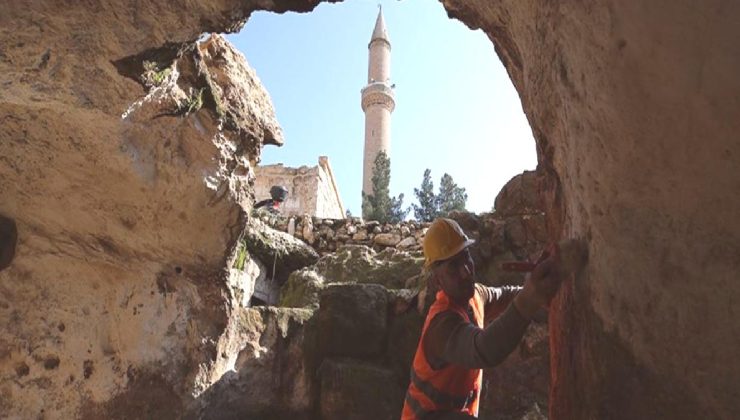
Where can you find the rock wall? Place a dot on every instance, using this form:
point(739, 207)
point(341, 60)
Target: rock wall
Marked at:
point(633, 106)
point(125, 167)
point(328, 235)
point(516, 230)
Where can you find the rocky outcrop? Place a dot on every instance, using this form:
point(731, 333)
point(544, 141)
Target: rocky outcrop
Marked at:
point(125, 168)
point(278, 251)
point(519, 197)
point(391, 268)
point(273, 374)
point(338, 362)
point(356, 374)
point(633, 106)
point(515, 231)
point(353, 320)
point(359, 264)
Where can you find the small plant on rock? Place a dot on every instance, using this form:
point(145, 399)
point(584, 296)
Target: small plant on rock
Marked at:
point(241, 256)
point(153, 76)
point(193, 103)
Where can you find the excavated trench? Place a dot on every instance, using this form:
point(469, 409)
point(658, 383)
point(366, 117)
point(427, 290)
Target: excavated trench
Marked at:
point(119, 233)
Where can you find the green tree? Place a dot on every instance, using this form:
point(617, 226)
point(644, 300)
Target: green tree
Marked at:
point(427, 210)
point(450, 196)
point(380, 205)
point(397, 213)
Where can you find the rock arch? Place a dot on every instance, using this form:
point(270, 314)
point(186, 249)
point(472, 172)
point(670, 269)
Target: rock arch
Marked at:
point(634, 109)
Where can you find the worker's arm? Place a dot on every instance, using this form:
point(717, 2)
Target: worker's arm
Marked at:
point(450, 339)
point(496, 299)
point(263, 203)
point(494, 295)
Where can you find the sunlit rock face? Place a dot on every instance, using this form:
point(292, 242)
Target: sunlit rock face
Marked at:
point(634, 109)
point(125, 171)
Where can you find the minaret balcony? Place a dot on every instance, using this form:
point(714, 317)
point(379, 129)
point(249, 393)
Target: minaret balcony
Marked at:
point(378, 93)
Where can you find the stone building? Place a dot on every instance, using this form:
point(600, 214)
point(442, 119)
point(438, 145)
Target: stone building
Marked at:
point(377, 101)
point(311, 190)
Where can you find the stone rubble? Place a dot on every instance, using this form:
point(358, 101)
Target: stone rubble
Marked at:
point(368, 301)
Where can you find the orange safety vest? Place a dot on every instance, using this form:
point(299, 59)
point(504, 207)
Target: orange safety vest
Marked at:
point(452, 388)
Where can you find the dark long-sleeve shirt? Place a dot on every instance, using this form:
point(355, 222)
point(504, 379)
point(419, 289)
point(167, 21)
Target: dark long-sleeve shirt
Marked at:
point(451, 339)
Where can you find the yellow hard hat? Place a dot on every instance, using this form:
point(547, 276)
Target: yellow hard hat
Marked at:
point(444, 240)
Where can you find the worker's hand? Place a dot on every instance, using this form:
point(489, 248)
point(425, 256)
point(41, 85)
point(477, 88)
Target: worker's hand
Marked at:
point(540, 285)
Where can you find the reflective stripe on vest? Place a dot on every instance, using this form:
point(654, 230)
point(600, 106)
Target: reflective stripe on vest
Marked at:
point(414, 405)
point(438, 397)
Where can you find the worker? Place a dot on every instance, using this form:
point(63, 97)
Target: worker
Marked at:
point(278, 194)
point(446, 375)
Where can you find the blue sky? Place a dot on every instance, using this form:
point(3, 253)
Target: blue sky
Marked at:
point(456, 109)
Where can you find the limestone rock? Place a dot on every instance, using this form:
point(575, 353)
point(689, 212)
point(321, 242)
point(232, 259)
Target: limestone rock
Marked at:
point(302, 289)
point(128, 199)
point(291, 226)
point(360, 236)
point(360, 264)
point(387, 239)
point(526, 234)
point(404, 332)
point(419, 234)
point(342, 238)
point(468, 221)
point(245, 275)
point(308, 233)
point(352, 389)
point(277, 249)
point(406, 243)
point(352, 320)
point(519, 196)
point(273, 374)
point(237, 112)
point(350, 264)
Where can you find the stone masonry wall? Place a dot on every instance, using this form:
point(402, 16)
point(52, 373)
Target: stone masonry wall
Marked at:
point(328, 201)
point(301, 184)
point(311, 190)
point(327, 235)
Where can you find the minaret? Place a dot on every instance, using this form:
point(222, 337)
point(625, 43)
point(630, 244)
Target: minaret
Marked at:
point(377, 101)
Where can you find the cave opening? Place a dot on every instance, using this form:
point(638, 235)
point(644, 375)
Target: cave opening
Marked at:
point(633, 105)
point(456, 110)
point(255, 301)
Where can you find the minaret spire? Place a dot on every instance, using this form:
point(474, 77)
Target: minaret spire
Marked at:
point(380, 33)
point(377, 100)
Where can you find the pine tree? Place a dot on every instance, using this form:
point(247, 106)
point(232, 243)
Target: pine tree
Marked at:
point(397, 214)
point(380, 205)
point(427, 210)
point(450, 196)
